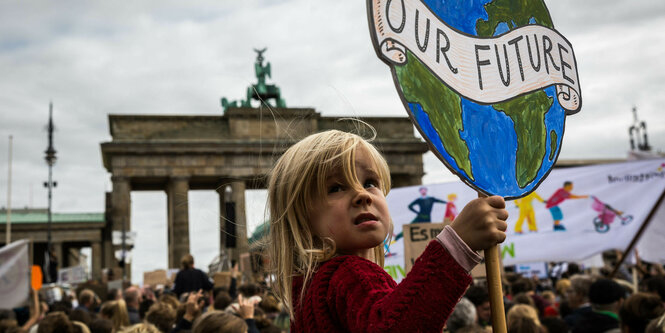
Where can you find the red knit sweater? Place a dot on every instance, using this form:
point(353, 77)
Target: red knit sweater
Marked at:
point(352, 294)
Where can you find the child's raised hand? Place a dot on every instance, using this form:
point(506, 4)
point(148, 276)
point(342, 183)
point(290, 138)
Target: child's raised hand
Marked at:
point(482, 223)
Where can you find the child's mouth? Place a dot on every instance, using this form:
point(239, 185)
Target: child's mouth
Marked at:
point(364, 218)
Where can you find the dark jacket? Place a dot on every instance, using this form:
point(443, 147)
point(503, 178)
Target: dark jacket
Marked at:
point(594, 322)
point(191, 280)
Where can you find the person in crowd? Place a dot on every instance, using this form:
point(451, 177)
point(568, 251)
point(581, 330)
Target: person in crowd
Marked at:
point(132, 296)
point(114, 294)
point(464, 315)
point(606, 297)
point(87, 300)
point(189, 278)
point(554, 325)
point(162, 316)
point(480, 298)
point(171, 300)
point(80, 327)
point(219, 322)
point(55, 322)
point(656, 325)
point(116, 311)
point(144, 307)
point(522, 318)
point(222, 301)
point(142, 328)
point(82, 316)
point(577, 299)
point(638, 310)
point(329, 219)
point(655, 285)
point(101, 325)
point(525, 285)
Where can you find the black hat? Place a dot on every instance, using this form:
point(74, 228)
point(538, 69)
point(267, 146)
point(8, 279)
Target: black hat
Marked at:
point(605, 291)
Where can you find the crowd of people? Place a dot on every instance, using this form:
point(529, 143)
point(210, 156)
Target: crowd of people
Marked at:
point(192, 305)
point(575, 302)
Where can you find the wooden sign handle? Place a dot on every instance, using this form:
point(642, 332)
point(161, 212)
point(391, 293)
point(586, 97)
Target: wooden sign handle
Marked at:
point(493, 270)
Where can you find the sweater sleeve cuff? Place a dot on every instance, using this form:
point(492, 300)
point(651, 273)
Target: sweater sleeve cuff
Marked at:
point(461, 252)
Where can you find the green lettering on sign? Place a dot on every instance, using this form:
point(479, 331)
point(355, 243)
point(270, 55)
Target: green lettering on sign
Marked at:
point(395, 271)
point(508, 248)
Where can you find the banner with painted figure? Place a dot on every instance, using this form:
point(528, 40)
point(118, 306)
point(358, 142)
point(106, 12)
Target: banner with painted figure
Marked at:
point(14, 274)
point(574, 214)
point(486, 83)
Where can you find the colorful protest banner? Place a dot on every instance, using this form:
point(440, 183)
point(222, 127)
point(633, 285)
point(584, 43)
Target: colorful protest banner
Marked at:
point(14, 274)
point(613, 202)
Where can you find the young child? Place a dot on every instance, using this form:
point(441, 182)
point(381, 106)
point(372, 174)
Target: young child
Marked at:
point(328, 223)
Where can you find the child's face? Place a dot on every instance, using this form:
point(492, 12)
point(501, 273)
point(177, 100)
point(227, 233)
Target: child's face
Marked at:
point(356, 221)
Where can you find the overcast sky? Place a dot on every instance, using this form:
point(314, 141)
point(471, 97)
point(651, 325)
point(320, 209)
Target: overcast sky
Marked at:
point(96, 58)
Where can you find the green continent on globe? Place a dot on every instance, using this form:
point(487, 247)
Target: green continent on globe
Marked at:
point(513, 13)
point(553, 141)
point(527, 112)
point(420, 86)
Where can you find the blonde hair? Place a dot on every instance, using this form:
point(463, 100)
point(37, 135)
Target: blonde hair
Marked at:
point(116, 311)
point(141, 328)
point(296, 184)
point(522, 316)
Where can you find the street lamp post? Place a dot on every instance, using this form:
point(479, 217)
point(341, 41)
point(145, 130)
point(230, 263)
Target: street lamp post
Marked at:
point(50, 160)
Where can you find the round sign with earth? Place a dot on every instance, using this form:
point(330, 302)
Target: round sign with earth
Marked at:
point(487, 83)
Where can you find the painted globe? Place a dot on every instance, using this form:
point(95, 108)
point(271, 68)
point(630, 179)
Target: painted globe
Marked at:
point(506, 148)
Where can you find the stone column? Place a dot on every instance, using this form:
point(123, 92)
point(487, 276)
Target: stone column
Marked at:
point(96, 260)
point(120, 214)
point(238, 196)
point(178, 214)
point(221, 192)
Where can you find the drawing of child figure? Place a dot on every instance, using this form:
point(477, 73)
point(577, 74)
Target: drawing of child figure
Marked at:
point(451, 209)
point(424, 203)
point(527, 212)
point(556, 199)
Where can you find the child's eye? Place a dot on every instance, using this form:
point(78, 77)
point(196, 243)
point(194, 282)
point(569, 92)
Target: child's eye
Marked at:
point(371, 183)
point(335, 188)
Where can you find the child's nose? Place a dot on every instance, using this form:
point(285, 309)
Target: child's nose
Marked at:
point(362, 198)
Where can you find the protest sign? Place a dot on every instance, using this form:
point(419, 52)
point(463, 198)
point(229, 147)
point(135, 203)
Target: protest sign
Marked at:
point(222, 279)
point(416, 238)
point(615, 200)
point(155, 277)
point(72, 275)
point(451, 63)
point(14, 274)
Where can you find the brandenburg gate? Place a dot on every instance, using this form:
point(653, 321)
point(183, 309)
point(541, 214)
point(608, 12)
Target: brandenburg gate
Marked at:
point(228, 153)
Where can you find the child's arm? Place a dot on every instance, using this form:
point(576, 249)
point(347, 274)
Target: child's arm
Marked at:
point(365, 299)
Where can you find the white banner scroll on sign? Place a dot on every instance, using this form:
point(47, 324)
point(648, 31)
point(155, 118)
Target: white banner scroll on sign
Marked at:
point(485, 70)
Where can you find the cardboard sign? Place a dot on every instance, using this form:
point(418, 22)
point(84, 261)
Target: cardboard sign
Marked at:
point(72, 275)
point(416, 238)
point(155, 277)
point(222, 279)
point(486, 85)
point(37, 278)
point(245, 263)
